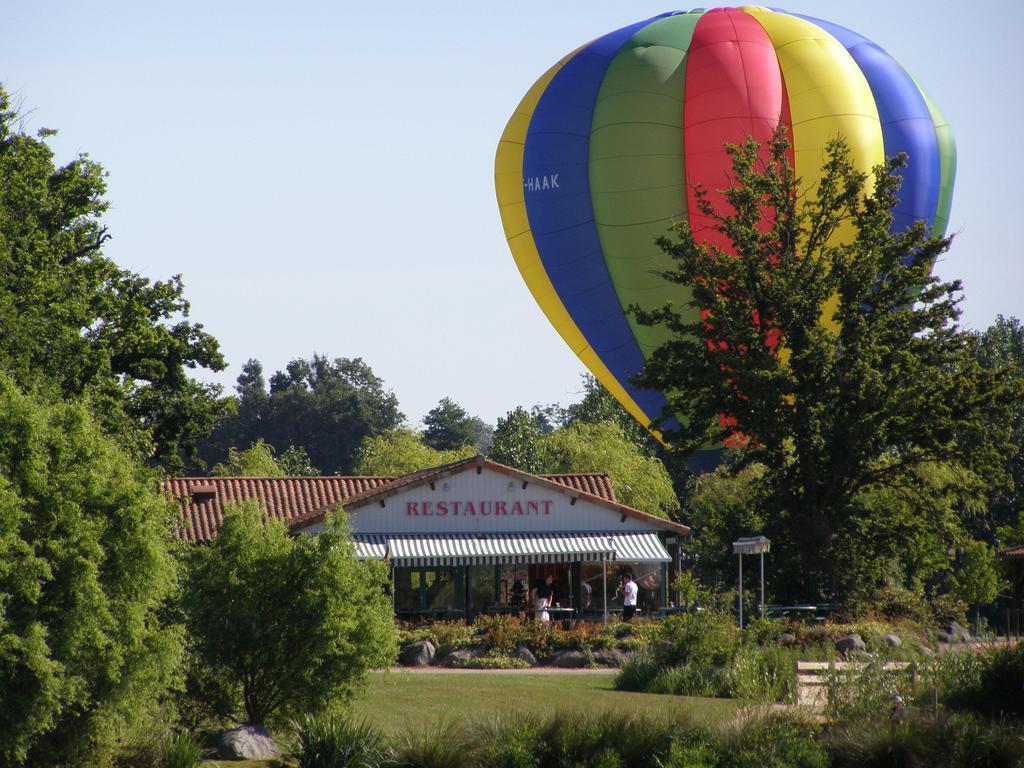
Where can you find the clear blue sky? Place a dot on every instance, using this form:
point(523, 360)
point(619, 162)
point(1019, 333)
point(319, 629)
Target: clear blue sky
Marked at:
point(321, 173)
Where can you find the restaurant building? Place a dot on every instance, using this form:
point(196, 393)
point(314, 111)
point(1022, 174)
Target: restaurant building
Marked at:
point(469, 537)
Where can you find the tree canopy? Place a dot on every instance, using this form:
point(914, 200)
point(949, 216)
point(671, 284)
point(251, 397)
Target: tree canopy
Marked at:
point(448, 427)
point(325, 407)
point(517, 441)
point(1001, 347)
point(78, 323)
point(639, 480)
point(402, 451)
point(84, 575)
point(833, 360)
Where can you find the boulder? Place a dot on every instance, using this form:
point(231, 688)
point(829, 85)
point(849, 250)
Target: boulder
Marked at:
point(611, 657)
point(925, 649)
point(418, 654)
point(892, 640)
point(250, 742)
point(525, 654)
point(568, 659)
point(957, 632)
point(850, 643)
point(462, 654)
point(786, 639)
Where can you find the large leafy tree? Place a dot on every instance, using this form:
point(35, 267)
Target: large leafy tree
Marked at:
point(448, 427)
point(822, 344)
point(599, 406)
point(72, 317)
point(517, 441)
point(85, 574)
point(639, 480)
point(1001, 346)
point(402, 451)
point(326, 407)
point(284, 625)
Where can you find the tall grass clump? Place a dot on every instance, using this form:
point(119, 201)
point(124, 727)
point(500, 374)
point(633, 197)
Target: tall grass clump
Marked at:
point(509, 741)
point(757, 741)
point(771, 740)
point(338, 742)
point(751, 673)
point(443, 745)
point(181, 750)
point(761, 675)
point(868, 691)
point(947, 741)
point(637, 673)
point(988, 682)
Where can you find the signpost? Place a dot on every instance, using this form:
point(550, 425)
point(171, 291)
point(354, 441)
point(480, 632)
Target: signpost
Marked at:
point(751, 545)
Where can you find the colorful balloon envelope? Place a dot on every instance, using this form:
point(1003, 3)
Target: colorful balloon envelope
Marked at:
point(605, 151)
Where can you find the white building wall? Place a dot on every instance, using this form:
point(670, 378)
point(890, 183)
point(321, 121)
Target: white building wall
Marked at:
point(489, 502)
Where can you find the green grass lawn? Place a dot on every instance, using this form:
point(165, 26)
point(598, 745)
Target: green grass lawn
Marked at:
point(397, 700)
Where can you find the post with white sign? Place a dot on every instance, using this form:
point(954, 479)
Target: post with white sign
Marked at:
point(751, 545)
point(604, 580)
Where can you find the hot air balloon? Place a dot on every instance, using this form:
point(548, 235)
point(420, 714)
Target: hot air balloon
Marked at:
point(603, 154)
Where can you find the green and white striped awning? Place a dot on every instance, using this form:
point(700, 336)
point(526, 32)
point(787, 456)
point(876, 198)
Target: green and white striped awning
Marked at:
point(371, 546)
point(469, 549)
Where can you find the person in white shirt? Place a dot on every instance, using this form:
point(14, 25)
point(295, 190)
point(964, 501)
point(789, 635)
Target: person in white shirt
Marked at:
point(629, 591)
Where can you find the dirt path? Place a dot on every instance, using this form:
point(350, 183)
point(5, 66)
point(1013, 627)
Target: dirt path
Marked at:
point(524, 671)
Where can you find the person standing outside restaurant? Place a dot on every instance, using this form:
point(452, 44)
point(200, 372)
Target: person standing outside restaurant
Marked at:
point(544, 597)
point(629, 591)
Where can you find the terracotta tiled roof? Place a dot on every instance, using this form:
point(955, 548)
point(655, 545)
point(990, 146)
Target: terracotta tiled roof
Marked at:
point(595, 484)
point(202, 499)
point(1017, 551)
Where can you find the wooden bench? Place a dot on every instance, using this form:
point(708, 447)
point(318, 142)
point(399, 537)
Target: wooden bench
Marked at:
point(812, 678)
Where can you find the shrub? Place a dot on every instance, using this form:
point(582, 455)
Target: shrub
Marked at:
point(338, 742)
point(708, 637)
point(85, 574)
point(948, 607)
point(447, 636)
point(291, 623)
point(490, 662)
point(896, 602)
point(762, 631)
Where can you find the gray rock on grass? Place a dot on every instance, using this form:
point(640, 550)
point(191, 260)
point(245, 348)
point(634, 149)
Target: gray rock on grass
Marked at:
point(568, 659)
point(418, 654)
point(956, 632)
point(525, 654)
point(250, 742)
point(461, 654)
point(611, 657)
point(852, 643)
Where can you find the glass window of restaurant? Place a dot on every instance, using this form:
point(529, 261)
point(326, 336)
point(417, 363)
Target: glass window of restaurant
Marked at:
point(648, 578)
point(427, 590)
